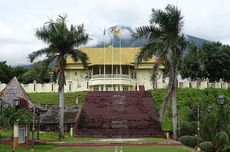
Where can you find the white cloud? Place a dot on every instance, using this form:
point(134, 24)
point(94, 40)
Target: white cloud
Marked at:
point(207, 19)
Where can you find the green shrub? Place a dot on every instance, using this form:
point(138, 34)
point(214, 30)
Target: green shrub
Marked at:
point(226, 149)
point(207, 146)
point(187, 128)
point(221, 140)
point(190, 141)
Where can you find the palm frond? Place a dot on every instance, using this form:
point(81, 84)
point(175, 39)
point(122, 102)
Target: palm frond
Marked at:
point(32, 56)
point(79, 55)
point(146, 32)
point(45, 64)
point(81, 36)
point(147, 52)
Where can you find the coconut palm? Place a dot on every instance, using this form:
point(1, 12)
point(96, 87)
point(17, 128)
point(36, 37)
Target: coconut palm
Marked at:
point(62, 42)
point(165, 40)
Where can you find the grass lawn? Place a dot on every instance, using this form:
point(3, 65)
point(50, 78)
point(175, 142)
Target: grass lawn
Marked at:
point(53, 137)
point(38, 148)
point(52, 148)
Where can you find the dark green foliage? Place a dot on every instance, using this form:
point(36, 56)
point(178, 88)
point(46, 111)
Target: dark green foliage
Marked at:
point(226, 149)
point(5, 72)
point(191, 66)
point(38, 73)
point(10, 115)
point(221, 140)
point(18, 71)
point(188, 128)
point(188, 98)
point(207, 146)
point(209, 125)
point(211, 61)
point(190, 141)
point(216, 60)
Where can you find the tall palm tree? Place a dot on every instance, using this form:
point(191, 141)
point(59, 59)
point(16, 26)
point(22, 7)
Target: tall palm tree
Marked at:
point(62, 41)
point(165, 40)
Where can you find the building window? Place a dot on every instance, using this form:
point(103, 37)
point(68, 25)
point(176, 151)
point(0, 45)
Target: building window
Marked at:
point(75, 73)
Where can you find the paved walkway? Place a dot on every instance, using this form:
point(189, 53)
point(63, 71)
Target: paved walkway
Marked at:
point(171, 143)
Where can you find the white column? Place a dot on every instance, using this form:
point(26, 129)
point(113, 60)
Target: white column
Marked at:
point(16, 130)
point(71, 131)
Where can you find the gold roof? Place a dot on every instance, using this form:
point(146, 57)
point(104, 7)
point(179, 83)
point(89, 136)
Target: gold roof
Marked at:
point(97, 56)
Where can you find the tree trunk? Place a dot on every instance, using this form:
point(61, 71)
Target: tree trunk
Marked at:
point(174, 113)
point(38, 127)
point(61, 113)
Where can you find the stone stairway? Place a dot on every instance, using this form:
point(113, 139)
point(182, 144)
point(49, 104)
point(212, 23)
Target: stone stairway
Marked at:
point(118, 114)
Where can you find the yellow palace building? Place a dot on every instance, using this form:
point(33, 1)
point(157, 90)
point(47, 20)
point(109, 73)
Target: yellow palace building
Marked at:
point(110, 69)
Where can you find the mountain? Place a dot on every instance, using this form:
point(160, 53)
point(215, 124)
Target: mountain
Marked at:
point(128, 41)
point(197, 41)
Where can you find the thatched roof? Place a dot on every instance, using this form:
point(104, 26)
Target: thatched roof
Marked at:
point(71, 113)
point(14, 90)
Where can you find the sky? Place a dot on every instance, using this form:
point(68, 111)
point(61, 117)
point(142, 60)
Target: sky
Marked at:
point(207, 19)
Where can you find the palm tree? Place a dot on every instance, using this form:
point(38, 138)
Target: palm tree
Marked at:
point(165, 40)
point(62, 42)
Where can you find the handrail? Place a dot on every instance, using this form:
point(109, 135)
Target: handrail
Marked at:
point(111, 76)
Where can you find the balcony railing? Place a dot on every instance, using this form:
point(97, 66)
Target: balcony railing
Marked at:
point(111, 76)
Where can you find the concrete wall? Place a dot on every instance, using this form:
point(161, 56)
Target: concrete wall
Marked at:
point(73, 86)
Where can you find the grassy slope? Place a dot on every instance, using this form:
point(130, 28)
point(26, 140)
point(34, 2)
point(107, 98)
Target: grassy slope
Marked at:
point(52, 97)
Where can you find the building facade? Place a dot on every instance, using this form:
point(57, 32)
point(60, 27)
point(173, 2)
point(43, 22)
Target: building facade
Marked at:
point(110, 69)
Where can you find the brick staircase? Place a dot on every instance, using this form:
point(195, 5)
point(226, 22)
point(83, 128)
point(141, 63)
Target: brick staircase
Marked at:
point(118, 114)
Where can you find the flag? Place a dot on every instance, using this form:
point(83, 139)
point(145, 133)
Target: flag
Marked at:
point(117, 31)
point(111, 29)
point(104, 31)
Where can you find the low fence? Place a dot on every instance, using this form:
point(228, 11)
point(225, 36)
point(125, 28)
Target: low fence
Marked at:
point(72, 86)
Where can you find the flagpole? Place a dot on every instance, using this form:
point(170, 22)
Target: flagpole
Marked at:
point(104, 62)
point(120, 60)
point(112, 58)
